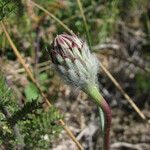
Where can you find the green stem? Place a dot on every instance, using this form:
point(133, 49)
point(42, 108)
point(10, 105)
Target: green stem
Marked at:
point(94, 93)
point(102, 120)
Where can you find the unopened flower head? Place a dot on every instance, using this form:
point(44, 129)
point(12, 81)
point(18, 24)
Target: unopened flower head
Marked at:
point(74, 60)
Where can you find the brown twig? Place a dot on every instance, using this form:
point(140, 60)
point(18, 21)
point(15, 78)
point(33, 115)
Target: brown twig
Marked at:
point(29, 73)
point(84, 21)
point(52, 16)
point(127, 97)
point(135, 63)
point(30, 11)
point(99, 50)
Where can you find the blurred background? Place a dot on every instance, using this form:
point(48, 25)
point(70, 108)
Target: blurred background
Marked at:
point(119, 33)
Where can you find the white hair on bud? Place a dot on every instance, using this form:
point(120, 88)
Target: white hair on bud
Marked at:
point(76, 52)
point(61, 69)
point(80, 66)
point(59, 58)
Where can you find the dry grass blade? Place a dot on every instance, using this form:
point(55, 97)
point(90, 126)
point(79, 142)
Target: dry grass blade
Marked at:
point(52, 16)
point(84, 20)
point(29, 73)
point(136, 64)
point(122, 91)
point(45, 63)
point(109, 74)
point(40, 66)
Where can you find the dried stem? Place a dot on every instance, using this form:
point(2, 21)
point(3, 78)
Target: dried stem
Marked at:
point(122, 91)
point(29, 73)
point(85, 22)
point(136, 64)
point(52, 16)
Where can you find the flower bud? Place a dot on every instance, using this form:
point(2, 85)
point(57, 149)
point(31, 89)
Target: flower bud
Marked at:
point(74, 60)
point(78, 66)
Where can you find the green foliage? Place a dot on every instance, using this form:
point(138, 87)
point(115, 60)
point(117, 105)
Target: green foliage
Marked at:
point(7, 97)
point(143, 82)
point(42, 127)
point(31, 92)
point(10, 6)
point(7, 106)
point(36, 126)
point(102, 120)
point(22, 113)
point(42, 78)
point(109, 15)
